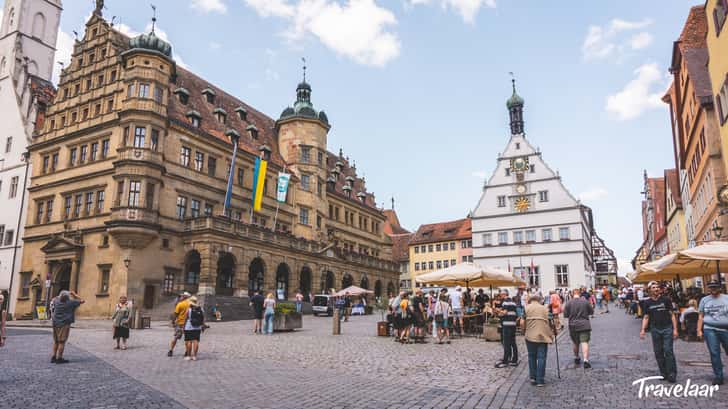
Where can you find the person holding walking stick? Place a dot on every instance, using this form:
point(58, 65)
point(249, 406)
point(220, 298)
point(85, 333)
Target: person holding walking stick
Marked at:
point(538, 337)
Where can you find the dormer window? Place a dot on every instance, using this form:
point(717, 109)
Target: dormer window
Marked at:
point(183, 95)
point(253, 131)
point(362, 196)
point(209, 93)
point(220, 115)
point(194, 118)
point(242, 113)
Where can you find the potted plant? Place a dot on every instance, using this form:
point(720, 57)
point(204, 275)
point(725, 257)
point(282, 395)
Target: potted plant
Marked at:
point(286, 318)
point(382, 306)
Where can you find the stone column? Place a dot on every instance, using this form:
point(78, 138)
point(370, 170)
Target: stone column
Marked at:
point(208, 266)
point(75, 272)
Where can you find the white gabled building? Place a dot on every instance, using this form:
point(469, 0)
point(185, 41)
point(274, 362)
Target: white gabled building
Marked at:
point(28, 33)
point(527, 220)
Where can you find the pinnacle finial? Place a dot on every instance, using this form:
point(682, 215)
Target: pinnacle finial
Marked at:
point(304, 68)
point(154, 17)
point(392, 202)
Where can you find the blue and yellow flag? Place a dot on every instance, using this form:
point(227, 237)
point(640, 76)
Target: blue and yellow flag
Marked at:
point(259, 183)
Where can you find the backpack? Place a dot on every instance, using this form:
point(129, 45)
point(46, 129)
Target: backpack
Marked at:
point(197, 318)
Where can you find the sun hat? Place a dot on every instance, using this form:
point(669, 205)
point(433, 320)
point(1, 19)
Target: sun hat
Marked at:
point(714, 283)
point(193, 300)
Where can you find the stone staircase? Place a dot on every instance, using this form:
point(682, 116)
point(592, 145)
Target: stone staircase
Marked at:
point(232, 308)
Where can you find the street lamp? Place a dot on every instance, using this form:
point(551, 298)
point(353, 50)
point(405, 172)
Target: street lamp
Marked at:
point(127, 261)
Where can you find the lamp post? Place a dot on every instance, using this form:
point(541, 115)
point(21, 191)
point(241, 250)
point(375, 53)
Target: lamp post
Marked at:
point(717, 233)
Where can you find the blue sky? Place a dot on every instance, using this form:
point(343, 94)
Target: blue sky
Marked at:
point(416, 89)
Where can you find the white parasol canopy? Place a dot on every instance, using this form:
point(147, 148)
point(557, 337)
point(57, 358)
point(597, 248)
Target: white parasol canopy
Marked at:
point(469, 274)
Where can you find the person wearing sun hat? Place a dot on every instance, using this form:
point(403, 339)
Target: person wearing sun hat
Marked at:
point(713, 325)
point(194, 323)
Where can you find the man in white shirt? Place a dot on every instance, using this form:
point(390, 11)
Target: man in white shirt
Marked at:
point(456, 300)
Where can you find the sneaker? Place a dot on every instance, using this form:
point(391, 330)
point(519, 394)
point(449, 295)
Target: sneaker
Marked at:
point(672, 378)
point(587, 365)
point(194, 358)
point(533, 381)
point(501, 365)
point(187, 358)
point(718, 381)
point(540, 385)
point(61, 361)
point(577, 361)
point(514, 363)
point(169, 353)
point(53, 359)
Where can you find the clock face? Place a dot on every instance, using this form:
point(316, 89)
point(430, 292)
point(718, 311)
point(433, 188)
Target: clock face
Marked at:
point(521, 189)
point(522, 204)
point(519, 165)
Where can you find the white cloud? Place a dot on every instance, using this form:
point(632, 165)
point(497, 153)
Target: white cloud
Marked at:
point(272, 8)
point(638, 95)
point(130, 32)
point(612, 39)
point(359, 29)
point(593, 194)
point(64, 48)
point(208, 6)
point(640, 40)
point(467, 9)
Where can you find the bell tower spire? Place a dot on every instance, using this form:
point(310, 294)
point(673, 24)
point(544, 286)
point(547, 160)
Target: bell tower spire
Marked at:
point(515, 110)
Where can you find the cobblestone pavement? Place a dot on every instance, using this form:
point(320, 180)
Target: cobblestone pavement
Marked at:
point(618, 357)
point(29, 380)
point(311, 368)
point(307, 368)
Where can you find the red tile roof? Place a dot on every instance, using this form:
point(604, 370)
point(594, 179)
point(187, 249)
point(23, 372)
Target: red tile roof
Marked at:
point(695, 29)
point(445, 231)
point(400, 247)
point(209, 123)
point(392, 225)
point(348, 170)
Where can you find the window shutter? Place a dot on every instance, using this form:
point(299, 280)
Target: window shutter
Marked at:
point(720, 109)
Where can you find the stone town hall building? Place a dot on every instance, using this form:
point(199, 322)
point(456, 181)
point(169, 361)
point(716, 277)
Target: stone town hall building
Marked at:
point(130, 168)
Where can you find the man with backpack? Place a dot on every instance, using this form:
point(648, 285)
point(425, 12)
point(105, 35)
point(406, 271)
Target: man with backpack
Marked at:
point(194, 325)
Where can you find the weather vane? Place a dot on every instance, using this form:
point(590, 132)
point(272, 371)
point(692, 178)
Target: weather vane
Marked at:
point(154, 17)
point(304, 68)
point(513, 80)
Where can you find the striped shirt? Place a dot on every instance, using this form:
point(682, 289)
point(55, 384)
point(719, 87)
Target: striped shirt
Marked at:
point(509, 319)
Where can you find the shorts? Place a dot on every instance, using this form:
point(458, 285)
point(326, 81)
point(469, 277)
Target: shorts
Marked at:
point(578, 337)
point(457, 313)
point(179, 330)
point(193, 335)
point(121, 332)
point(258, 315)
point(60, 334)
point(418, 319)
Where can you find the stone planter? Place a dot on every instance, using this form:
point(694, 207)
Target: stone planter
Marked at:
point(287, 322)
point(490, 332)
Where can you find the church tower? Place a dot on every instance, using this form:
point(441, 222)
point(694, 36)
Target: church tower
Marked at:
point(28, 32)
point(527, 221)
point(302, 138)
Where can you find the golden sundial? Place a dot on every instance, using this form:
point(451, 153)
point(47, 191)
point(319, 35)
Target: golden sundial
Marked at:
point(522, 204)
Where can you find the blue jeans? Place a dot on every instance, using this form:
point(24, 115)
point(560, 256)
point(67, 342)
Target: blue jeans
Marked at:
point(299, 306)
point(537, 360)
point(510, 350)
point(714, 339)
point(664, 354)
point(268, 326)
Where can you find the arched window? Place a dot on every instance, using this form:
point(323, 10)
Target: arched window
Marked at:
point(378, 288)
point(256, 276)
point(364, 283)
point(11, 18)
point(305, 283)
point(282, 274)
point(347, 281)
point(39, 23)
